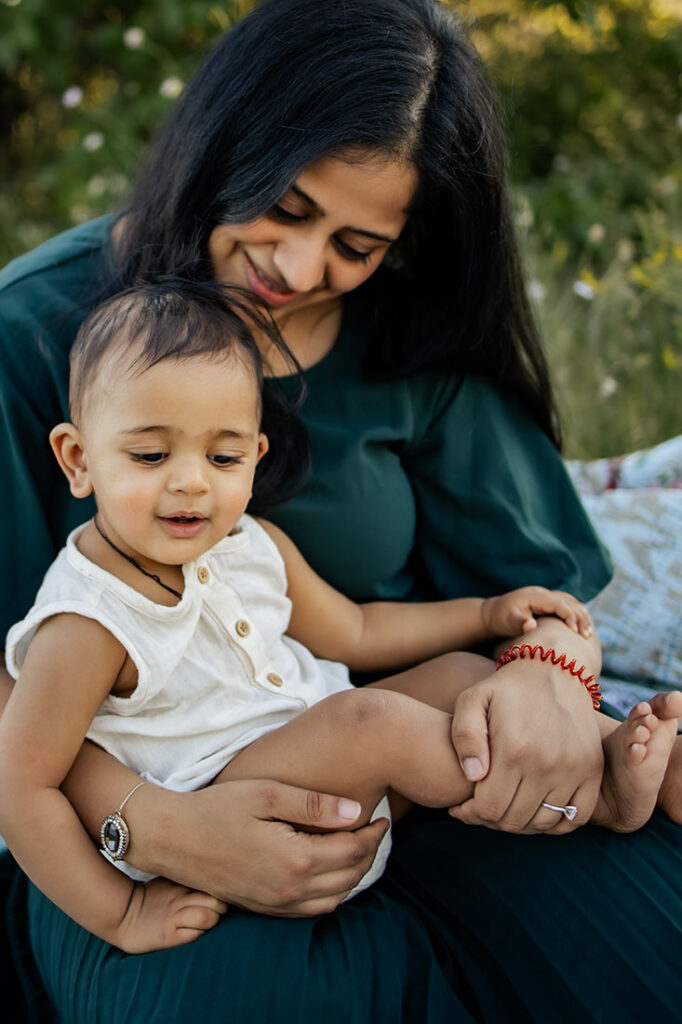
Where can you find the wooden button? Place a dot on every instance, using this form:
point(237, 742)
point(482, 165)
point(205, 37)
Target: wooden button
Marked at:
point(275, 679)
point(242, 627)
point(203, 575)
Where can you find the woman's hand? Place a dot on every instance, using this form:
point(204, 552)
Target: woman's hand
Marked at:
point(529, 734)
point(234, 841)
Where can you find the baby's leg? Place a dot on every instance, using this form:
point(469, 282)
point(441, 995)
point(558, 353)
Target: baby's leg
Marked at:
point(361, 744)
point(438, 682)
point(643, 762)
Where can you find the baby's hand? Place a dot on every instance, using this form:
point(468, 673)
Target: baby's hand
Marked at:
point(162, 914)
point(514, 613)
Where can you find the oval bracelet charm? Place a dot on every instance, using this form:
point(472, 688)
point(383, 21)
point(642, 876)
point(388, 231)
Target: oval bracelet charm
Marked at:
point(114, 836)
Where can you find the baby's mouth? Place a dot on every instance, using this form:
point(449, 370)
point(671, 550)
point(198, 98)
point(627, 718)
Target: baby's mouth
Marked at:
point(183, 524)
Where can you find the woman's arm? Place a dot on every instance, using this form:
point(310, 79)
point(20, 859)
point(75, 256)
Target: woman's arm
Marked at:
point(235, 840)
point(497, 511)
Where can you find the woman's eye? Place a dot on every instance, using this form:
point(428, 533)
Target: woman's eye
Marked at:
point(278, 213)
point(349, 253)
point(225, 460)
point(148, 458)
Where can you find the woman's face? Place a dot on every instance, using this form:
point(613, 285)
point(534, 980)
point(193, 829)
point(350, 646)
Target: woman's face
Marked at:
point(325, 236)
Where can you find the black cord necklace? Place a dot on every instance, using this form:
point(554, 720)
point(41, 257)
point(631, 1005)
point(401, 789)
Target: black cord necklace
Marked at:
point(129, 558)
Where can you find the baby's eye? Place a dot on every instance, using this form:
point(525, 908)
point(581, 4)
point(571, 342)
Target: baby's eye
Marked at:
point(149, 458)
point(225, 460)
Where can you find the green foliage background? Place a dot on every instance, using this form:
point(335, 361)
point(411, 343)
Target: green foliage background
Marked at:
point(592, 95)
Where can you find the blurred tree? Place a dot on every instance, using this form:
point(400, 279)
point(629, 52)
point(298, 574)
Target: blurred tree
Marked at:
point(591, 91)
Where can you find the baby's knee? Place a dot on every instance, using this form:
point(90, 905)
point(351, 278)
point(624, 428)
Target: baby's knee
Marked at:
point(364, 709)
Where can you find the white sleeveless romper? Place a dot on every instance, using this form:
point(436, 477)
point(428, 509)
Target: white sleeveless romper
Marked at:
point(215, 672)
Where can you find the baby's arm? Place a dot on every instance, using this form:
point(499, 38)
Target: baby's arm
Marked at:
point(70, 667)
point(384, 635)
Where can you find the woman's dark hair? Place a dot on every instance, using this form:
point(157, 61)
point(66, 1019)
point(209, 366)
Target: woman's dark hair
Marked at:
point(174, 318)
point(295, 80)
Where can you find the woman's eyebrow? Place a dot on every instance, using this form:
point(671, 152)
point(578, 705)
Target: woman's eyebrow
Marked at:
point(315, 206)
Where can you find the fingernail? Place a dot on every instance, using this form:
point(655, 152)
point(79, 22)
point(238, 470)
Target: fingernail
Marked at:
point(349, 809)
point(472, 768)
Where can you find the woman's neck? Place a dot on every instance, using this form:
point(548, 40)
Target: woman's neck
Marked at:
point(309, 333)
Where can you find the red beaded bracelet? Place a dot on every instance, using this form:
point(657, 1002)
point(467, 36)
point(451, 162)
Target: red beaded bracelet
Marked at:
point(526, 650)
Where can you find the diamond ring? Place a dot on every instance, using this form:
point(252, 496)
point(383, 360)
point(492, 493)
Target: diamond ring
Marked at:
point(568, 812)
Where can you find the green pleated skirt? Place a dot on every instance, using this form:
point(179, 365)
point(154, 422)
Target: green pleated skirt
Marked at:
point(466, 925)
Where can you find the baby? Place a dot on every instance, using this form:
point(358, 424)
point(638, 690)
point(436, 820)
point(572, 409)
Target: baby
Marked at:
point(196, 645)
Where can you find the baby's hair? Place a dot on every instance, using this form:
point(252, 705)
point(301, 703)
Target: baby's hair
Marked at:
point(176, 318)
point(168, 319)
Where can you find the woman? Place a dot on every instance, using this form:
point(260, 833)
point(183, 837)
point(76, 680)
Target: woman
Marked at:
point(344, 162)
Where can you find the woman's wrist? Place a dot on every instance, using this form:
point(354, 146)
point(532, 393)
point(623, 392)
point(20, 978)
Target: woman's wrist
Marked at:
point(153, 816)
point(547, 655)
point(566, 691)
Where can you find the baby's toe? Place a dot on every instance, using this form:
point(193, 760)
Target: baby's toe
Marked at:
point(635, 753)
point(640, 710)
point(667, 705)
point(639, 733)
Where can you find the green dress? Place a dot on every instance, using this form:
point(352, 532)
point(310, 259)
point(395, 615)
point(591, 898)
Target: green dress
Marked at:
point(421, 488)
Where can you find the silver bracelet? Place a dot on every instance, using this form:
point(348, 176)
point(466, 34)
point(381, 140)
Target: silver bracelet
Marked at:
point(114, 833)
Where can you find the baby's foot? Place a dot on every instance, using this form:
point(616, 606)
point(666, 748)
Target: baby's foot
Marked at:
point(636, 758)
point(670, 793)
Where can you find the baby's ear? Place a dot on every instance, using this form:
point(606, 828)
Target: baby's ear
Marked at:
point(263, 446)
point(67, 446)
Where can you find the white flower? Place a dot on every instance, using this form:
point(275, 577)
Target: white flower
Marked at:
point(97, 185)
point(93, 141)
point(584, 290)
point(608, 387)
point(596, 233)
point(170, 88)
point(537, 291)
point(72, 97)
point(625, 250)
point(134, 38)
point(666, 186)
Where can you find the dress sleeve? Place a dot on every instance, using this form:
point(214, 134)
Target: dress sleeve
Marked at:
point(37, 509)
point(495, 507)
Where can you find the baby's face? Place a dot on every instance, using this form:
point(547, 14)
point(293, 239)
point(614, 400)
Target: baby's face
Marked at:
point(171, 454)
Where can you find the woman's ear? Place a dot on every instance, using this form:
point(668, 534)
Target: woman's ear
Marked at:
point(67, 445)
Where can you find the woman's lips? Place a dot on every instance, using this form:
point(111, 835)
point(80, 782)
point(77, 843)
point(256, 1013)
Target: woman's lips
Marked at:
point(265, 287)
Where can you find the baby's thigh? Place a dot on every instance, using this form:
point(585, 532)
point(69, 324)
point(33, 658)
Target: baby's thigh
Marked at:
point(438, 682)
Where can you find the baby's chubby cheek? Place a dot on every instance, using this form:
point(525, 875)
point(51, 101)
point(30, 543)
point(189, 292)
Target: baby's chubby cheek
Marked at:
point(130, 505)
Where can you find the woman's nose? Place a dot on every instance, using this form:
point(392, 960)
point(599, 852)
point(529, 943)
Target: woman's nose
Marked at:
point(301, 262)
